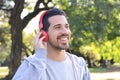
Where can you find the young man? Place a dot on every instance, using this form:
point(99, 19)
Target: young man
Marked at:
point(51, 61)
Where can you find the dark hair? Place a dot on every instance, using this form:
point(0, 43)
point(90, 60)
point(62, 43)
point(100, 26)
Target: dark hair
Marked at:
point(50, 13)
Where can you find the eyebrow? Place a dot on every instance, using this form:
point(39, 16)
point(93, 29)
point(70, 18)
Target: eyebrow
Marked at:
point(56, 25)
point(60, 24)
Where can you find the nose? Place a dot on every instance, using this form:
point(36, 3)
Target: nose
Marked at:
point(65, 31)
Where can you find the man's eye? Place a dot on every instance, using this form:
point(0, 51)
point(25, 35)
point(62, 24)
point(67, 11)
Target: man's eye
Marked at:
point(67, 26)
point(57, 27)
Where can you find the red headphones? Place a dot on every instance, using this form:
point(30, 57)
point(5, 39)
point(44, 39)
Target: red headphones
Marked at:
point(41, 26)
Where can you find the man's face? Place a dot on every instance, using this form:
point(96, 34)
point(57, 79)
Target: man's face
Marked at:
point(58, 32)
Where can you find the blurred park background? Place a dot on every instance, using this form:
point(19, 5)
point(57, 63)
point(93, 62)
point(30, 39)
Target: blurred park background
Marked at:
point(95, 26)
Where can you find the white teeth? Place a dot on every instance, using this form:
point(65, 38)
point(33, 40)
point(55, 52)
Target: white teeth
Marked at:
point(63, 38)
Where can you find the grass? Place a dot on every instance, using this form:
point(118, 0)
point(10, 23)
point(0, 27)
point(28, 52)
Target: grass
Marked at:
point(3, 71)
point(110, 68)
point(99, 70)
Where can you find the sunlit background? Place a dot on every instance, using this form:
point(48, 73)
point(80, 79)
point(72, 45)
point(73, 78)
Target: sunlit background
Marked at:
point(95, 26)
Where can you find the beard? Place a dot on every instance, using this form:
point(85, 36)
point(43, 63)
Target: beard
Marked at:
point(58, 45)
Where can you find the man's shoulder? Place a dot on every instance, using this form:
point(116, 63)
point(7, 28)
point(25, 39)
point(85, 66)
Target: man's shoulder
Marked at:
point(78, 59)
point(34, 60)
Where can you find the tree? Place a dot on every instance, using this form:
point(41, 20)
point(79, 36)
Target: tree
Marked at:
point(94, 21)
point(17, 26)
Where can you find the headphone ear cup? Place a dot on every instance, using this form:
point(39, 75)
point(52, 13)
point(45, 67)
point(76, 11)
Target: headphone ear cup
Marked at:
point(41, 19)
point(44, 34)
point(41, 27)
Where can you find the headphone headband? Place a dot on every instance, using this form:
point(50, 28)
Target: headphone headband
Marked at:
point(41, 19)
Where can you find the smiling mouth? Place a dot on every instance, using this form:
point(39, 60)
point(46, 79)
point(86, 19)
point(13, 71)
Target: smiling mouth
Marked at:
point(63, 39)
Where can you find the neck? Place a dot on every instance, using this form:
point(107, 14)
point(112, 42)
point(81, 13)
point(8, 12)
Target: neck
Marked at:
point(57, 55)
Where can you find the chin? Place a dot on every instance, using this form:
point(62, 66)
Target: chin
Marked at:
point(64, 47)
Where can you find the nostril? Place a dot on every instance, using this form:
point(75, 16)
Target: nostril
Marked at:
point(65, 31)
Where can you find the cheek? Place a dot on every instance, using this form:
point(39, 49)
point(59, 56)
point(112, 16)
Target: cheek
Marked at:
point(52, 36)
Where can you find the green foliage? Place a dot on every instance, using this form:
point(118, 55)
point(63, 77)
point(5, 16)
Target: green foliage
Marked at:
point(106, 50)
point(28, 43)
point(90, 51)
point(95, 22)
point(115, 49)
point(63, 4)
point(5, 42)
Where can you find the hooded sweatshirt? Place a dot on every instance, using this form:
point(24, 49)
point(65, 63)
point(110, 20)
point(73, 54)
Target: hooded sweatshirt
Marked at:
point(39, 67)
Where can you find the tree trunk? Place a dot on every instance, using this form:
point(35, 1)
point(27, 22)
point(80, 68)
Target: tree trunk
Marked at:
point(89, 62)
point(16, 50)
point(16, 37)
